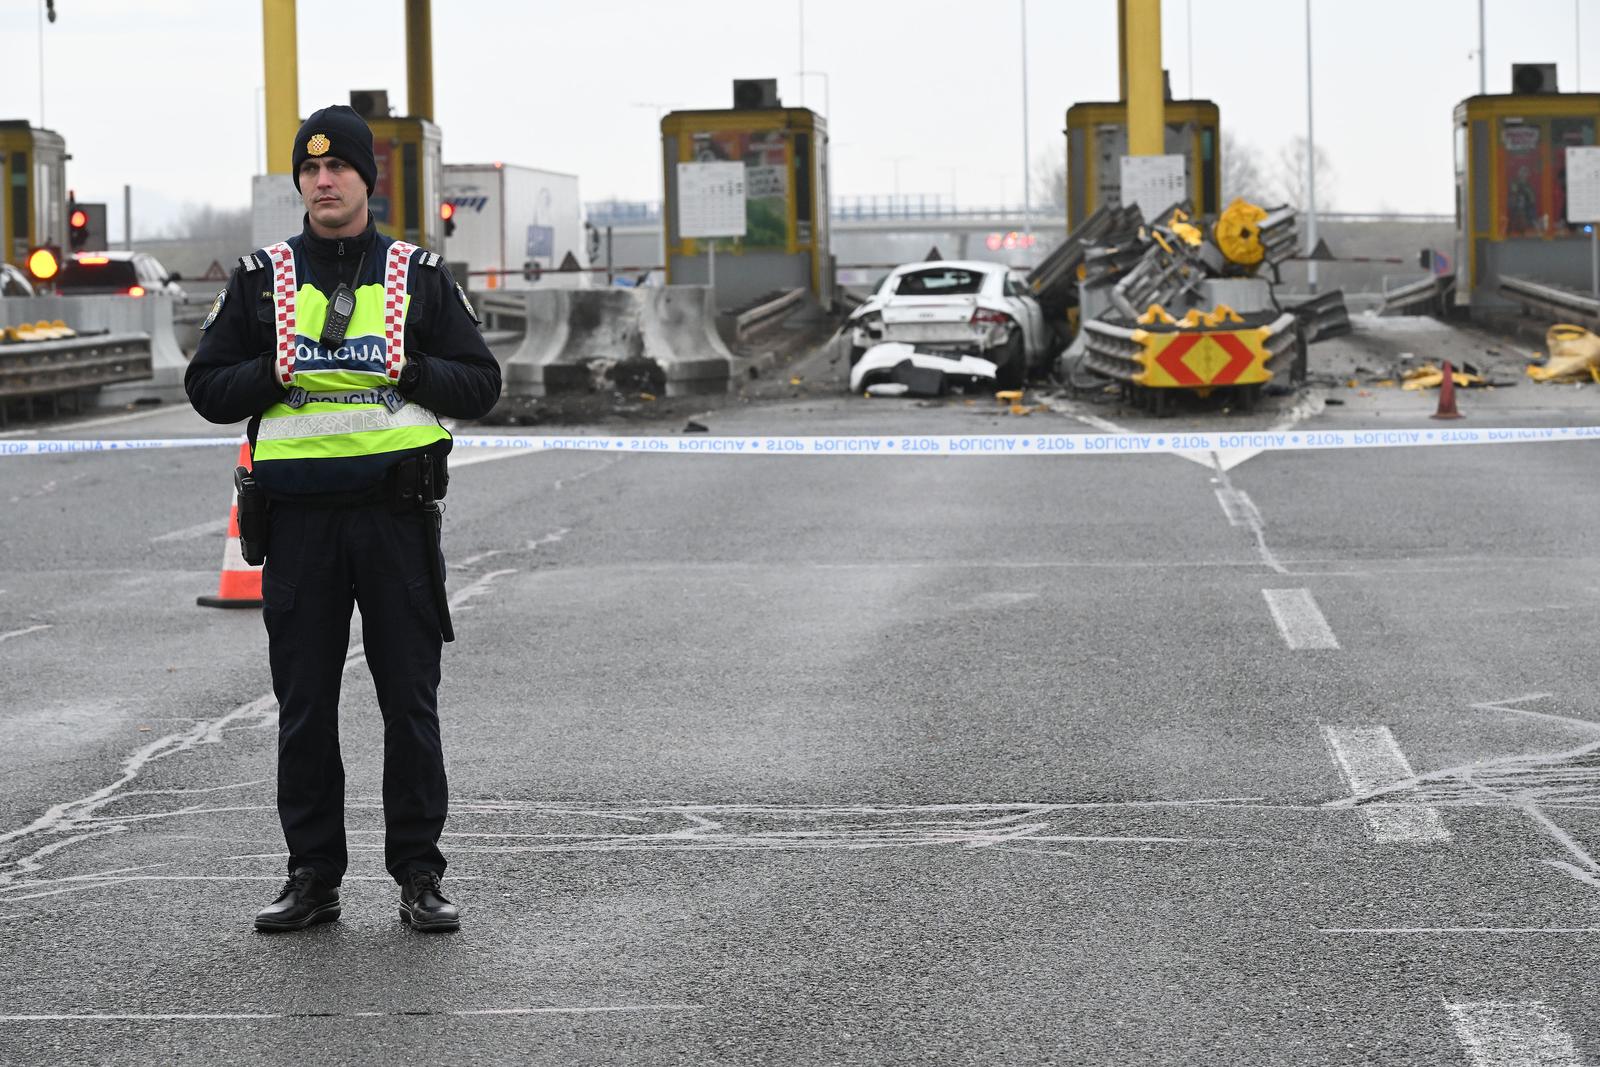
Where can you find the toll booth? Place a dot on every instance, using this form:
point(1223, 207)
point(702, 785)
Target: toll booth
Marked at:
point(1097, 139)
point(786, 243)
point(33, 204)
point(1511, 192)
point(410, 185)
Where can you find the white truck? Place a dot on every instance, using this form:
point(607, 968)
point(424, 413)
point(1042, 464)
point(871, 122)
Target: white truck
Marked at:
point(518, 224)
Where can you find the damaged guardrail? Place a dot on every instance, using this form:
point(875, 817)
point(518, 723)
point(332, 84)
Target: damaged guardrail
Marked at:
point(1323, 316)
point(1202, 353)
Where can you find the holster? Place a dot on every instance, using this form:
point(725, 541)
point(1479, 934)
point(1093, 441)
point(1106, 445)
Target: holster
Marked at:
point(252, 515)
point(419, 483)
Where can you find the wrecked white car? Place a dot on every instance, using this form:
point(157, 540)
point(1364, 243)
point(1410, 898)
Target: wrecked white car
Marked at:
point(954, 308)
point(919, 373)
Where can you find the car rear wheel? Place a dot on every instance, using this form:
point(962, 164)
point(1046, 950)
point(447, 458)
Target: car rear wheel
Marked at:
point(1011, 362)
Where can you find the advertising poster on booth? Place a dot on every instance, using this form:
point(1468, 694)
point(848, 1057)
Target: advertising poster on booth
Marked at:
point(765, 156)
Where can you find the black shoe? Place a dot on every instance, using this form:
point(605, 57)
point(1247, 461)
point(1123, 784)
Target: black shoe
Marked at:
point(423, 906)
point(306, 898)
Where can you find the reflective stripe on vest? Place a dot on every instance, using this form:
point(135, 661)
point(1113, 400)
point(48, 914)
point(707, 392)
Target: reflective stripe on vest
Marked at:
point(338, 410)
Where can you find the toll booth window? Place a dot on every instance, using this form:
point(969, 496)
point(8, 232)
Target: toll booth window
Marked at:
point(1533, 173)
point(802, 186)
point(19, 203)
point(1565, 132)
point(945, 281)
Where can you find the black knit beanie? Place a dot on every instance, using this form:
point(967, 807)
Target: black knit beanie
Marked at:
point(336, 131)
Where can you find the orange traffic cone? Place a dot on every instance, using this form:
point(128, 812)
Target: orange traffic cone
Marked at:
point(240, 586)
point(1447, 395)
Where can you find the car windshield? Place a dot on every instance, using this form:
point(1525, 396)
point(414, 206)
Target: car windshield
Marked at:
point(940, 281)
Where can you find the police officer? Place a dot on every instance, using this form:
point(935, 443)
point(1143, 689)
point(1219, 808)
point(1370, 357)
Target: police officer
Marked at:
point(343, 347)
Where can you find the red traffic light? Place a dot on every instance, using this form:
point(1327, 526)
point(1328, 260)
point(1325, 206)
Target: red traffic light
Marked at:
point(447, 211)
point(80, 219)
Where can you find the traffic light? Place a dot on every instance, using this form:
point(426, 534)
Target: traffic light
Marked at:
point(43, 263)
point(77, 226)
point(447, 212)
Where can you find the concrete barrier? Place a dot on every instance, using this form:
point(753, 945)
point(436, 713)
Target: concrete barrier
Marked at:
point(661, 340)
point(150, 315)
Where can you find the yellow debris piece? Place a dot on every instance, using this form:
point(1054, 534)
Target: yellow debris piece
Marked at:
point(647, 397)
point(1574, 355)
point(1156, 313)
point(1011, 396)
point(1238, 234)
point(1021, 409)
point(1428, 376)
point(1220, 314)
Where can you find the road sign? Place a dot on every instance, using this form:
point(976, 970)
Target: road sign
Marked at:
point(711, 200)
point(1583, 183)
point(1155, 183)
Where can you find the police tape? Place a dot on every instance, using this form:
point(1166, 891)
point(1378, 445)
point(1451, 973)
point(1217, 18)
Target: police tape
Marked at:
point(1034, 444)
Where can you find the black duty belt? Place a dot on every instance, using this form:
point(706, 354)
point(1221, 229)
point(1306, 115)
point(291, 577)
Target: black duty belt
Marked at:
point(386, 395)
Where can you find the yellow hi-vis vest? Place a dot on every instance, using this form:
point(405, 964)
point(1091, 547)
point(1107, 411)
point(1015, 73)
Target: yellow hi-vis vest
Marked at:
point(344, 423)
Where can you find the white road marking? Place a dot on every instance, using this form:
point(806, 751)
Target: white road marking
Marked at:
point(200, 529)
point(1372, 762)
point(1237, 506)
point(1458, 929)
point(165, 1017)
point(19, 633)
point(1299, 619)
point(1507, 1034)
point(1242, 511)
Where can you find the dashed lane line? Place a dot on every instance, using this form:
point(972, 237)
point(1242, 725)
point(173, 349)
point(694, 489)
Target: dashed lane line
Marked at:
point(1372, 762)
point(224, 1017)
point(1512, 1034)
point(1299, 619)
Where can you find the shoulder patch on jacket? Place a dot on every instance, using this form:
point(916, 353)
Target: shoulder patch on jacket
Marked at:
point(216, 308)
point(430, 259)
point(461, 294)
point(249, 263)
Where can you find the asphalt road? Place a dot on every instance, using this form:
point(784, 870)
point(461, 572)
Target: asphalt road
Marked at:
point(853, 760)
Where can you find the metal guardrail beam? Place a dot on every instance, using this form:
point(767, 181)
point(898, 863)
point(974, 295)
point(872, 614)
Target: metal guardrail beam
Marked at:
point(752, 319)
point(31, 369)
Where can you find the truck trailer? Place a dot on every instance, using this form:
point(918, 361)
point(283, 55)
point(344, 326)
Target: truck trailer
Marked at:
point(513, 227)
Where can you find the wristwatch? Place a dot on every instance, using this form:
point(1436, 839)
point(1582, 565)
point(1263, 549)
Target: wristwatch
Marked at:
point(410, 375)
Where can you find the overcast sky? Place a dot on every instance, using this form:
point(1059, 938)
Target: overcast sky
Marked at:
point(926, 95)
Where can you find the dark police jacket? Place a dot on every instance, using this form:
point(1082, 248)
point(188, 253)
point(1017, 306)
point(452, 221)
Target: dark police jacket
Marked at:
point(234, 375)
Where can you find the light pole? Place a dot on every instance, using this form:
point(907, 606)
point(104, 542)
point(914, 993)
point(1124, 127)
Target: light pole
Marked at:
point(1027, 197)
point(1311, 166)
point(1483, 69)
point(827, 93)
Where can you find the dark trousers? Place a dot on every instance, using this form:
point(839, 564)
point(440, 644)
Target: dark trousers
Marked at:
point(320, 562)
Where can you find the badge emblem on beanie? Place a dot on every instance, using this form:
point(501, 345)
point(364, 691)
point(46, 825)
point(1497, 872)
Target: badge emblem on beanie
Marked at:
point(318, 145)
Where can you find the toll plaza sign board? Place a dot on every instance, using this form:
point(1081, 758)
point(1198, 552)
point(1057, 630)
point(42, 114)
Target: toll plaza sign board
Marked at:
point(711, 199)
point(1155, 183)
point(1583, 184)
